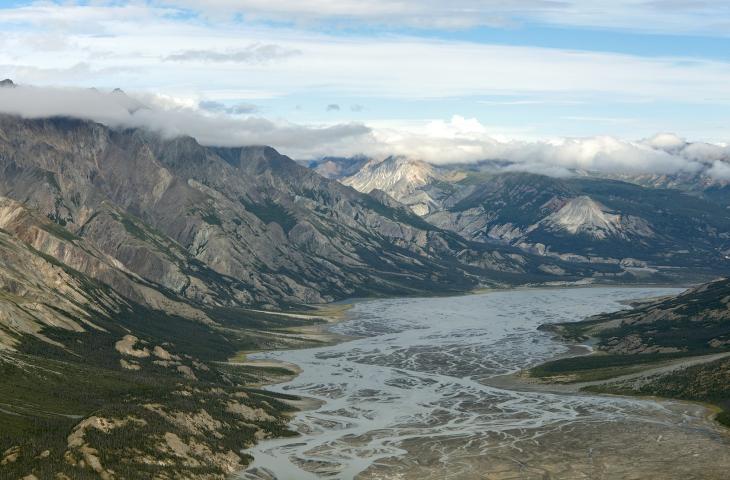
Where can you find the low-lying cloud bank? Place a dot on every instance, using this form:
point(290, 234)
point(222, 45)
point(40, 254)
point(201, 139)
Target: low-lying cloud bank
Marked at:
point(462, 140)
point(173, 117)
point(455, 141)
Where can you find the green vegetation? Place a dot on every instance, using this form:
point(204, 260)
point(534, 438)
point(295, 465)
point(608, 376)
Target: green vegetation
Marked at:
point(47, 391)
point(709, 382)
point(598, 367)
point(57, 230)
point(269, 211)
point(211, 218)
point(42, 402)
point(656, 333)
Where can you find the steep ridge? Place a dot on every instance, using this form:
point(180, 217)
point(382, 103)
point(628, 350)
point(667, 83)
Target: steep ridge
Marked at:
point(37, 292)
point(95, 385)
point(69, 275)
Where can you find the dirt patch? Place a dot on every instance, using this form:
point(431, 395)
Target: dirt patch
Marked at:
point(126, 345)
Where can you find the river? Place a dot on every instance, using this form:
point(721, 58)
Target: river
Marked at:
point(410, 399)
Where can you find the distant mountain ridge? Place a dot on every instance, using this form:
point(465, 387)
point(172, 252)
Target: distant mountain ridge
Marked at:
point(403, 180)
point(585, 217)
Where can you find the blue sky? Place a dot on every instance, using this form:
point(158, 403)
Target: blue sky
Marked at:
point(532, 70)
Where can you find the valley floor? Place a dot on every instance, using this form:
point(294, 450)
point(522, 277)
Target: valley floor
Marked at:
point(423, 393)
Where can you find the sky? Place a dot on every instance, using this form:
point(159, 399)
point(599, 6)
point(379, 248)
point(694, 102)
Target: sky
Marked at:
point(578, 81)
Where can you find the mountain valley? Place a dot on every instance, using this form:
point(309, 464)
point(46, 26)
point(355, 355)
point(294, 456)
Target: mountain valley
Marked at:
point(139, 270)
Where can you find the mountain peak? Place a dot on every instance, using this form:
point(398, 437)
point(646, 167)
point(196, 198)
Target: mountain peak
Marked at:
point(394, 174)
point(7, 83)
point(584, 215)
point(131, 104)
point(399, 177)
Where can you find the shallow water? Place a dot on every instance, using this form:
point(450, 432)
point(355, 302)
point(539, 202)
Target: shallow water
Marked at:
point(408, 399)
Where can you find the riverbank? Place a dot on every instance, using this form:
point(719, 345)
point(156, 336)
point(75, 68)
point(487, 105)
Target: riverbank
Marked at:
point(575, 382)
point(670, 347)
point(571, 383)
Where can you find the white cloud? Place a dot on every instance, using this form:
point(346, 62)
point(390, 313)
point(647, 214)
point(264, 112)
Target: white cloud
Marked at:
point(467, 140)
point(254, 53)
point(666, 141)
point(124, 46)
point(173, 116)
point(719, 171)
point(458, 140)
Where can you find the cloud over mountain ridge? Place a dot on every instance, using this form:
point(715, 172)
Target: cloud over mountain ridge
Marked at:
point(457, 140)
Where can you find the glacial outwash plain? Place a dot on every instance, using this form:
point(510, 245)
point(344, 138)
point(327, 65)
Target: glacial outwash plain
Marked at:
point(439, 387)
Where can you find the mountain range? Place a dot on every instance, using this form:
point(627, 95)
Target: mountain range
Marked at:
point(649, 225)
point(135, 266)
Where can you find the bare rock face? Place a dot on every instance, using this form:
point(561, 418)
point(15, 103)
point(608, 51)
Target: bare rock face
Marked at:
point(38, 291)
point(127, 346)
point(401, 178)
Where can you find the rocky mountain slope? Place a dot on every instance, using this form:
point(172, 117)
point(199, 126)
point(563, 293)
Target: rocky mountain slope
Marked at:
point(400, 178)
point(580, 218)
point(231, 226)
point(104, 374)
point(95, 384)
